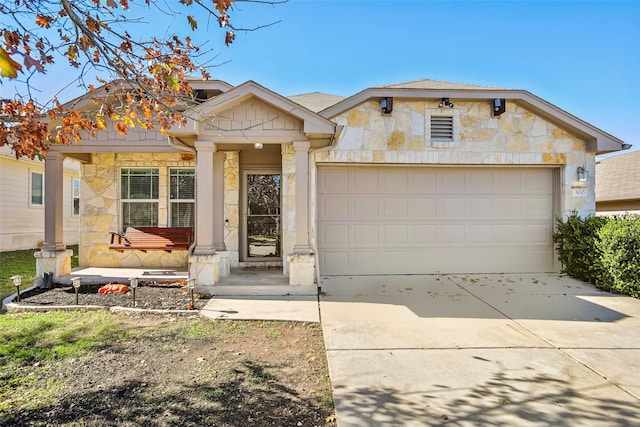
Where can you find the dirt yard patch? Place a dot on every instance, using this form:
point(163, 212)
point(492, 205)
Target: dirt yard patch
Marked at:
point(169, 370)
point(149, 295)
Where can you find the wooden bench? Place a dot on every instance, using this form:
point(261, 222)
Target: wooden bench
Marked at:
point(152, 238)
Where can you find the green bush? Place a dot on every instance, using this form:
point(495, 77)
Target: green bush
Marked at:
point(619, 247)
point(576, 244)
point(600, 250)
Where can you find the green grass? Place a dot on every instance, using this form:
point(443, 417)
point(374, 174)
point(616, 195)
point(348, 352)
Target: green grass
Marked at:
point(36, 337)
point(33, 339)
point(22, 263)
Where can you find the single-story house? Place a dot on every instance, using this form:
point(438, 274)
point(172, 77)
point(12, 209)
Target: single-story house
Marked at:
point(22, 186)
point(618, 184)
point(418, 177)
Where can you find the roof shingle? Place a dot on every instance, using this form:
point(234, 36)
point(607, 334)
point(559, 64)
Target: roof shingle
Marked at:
point(618, 177)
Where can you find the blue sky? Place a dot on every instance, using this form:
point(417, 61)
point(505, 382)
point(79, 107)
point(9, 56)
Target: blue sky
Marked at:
point(583, 56)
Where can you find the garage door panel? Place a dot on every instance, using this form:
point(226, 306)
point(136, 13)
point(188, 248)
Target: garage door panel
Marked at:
point(365, 182)
point(424, 234)
point(422, 206)
point(395, 207)
point(508, 207)
point(451, 207)
point(334, 235)
point(537, 207)
point(451, 182)
point(335, 180)
point(334, 207)
point(395, 234)
point(394, 182)
point(364, 234)
point(480, 207)
point(422, 181)
point(364, 207)
point(436, 219)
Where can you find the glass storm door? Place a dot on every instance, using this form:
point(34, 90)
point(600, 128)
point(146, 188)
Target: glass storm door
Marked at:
point(263, 215)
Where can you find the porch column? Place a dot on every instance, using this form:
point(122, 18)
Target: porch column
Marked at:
point(204, 198)
point(301, 149)
point(218, 201)
point(53, 257)
point(53, 202)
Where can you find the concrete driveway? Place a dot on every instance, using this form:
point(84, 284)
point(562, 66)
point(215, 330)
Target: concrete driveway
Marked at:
point(475, 350)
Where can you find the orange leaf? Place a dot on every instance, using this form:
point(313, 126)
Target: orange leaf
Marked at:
point(44, 21)
point(8, 67)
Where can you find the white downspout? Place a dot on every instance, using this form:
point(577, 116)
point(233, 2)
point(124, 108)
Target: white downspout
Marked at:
point(313, 192)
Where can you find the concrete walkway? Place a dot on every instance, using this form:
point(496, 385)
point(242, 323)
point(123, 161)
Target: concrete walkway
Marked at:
point(477, 350)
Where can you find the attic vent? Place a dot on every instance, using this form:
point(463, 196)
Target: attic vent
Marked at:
point(442, 128)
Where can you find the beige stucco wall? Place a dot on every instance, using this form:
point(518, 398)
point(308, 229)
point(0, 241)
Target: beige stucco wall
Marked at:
point(100, 207)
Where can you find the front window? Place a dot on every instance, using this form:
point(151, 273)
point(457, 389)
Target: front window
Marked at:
point(37, 189)
point(182, 197)
point(76, 197)
point(139, 194)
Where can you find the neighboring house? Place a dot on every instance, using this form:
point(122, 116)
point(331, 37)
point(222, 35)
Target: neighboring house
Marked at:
point(22, 201)
point(618, 184)
point(418, 177)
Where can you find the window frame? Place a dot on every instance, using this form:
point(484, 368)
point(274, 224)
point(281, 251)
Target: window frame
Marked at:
point(173, 201)
point(123, 201)
point(31, 182)
point(75, 197)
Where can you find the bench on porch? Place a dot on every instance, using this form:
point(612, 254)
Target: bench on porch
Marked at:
point(152, 238)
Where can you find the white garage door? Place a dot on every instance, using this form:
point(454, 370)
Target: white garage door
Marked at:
point(419, 220)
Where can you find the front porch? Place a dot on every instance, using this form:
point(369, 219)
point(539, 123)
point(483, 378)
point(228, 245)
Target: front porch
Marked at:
point(202, 176)
point(247, 280)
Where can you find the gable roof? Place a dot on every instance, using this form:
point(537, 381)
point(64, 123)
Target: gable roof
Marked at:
point(618, 177)
point(597, 140)
point(316, 101)
point(433, 84)
point(312, 122)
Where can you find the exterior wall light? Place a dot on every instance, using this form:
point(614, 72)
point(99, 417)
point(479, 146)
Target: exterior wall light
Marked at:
point(133, 282)
point(583, 174)
point(386, 104)
point(445, 103)
point(499, 106)
point(17, 281)
point(258, 145)
point(75, 281)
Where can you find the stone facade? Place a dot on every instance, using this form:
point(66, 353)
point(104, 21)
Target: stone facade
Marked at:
point(232, 206)
point(517, 137)
point(100, 208)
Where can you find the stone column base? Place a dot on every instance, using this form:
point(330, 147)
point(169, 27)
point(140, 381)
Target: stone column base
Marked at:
point(301, 269)
point(225, 264)
point(56, 262)
point(208, 269)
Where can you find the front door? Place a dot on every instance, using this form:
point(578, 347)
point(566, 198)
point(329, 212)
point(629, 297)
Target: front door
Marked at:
point(262, 236)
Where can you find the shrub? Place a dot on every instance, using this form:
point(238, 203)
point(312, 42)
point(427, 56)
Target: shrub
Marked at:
point(576, 245)
point(619, 247)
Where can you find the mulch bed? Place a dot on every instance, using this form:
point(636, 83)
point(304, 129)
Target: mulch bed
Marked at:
point(149, 295)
